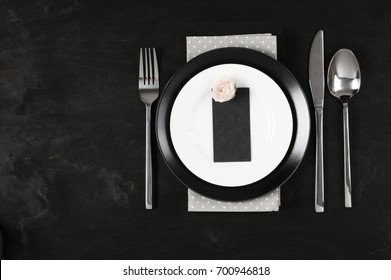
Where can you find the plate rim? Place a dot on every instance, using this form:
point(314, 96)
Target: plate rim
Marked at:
point(296, 99)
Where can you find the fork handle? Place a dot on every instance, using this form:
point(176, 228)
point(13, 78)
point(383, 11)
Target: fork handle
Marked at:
point(148, 159)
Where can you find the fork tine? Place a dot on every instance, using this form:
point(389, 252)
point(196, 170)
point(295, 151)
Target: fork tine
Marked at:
point(141, 69)
point(150, 73)
point(155, 67)
point(146, 69)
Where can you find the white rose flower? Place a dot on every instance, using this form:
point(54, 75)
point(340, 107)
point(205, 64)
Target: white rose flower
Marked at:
point(224, 90)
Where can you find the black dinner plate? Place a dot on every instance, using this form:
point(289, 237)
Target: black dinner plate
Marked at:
point(294, 94)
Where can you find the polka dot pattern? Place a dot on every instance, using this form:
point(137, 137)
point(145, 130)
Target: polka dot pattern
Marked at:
point(266, 203)
point(265, 43)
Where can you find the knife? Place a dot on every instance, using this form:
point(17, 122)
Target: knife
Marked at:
point(317, 85)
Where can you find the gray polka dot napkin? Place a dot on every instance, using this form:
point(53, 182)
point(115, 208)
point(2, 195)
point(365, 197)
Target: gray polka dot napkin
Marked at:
point(265, 43)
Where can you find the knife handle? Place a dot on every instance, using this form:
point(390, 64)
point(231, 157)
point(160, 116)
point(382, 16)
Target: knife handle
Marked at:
point(319, 181)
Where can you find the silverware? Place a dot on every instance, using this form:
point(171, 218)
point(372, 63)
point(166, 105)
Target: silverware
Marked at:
point(317, 85)
point(148, 83)
point(343, 81)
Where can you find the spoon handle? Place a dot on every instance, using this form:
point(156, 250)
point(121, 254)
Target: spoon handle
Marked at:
point(347, 174)
point(319, 182)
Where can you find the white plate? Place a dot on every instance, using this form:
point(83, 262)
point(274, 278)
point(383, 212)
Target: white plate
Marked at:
point(191, 126)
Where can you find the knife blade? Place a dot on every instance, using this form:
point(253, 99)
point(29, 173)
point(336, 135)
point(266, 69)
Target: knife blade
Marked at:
point(317, 86)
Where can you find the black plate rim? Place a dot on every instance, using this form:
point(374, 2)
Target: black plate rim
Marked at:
point(297, 101)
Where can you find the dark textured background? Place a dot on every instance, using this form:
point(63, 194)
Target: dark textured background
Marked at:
point(72, 133)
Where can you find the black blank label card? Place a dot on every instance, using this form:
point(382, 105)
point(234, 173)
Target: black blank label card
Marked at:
point(231, 128)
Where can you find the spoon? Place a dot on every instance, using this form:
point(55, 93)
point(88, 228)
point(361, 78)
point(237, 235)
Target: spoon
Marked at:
point(343, 81)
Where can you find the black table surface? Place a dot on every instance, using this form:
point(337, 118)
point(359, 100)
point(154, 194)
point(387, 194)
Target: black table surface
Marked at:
point(72, 139)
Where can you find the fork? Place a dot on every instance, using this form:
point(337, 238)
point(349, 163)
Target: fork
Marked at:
point(148, 83)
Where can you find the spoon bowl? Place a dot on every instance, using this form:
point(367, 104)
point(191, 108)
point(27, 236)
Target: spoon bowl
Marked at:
point(344, 75)
point(344, 81)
